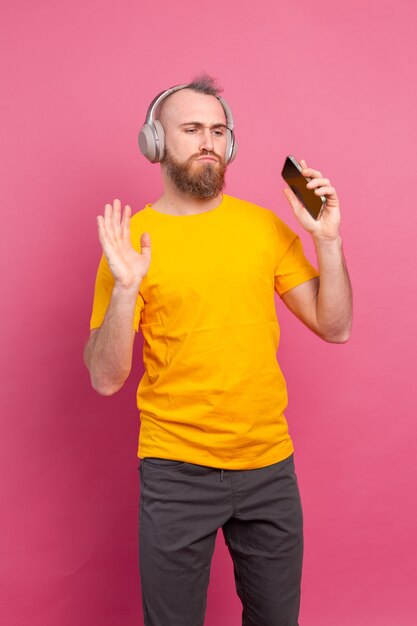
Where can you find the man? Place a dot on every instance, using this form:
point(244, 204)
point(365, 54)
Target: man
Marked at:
point(214, 445)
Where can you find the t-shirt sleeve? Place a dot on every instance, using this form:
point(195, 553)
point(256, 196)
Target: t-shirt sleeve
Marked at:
point(292, 267)
point(102, 295)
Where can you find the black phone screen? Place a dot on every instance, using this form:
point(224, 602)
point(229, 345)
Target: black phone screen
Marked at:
point(298, 183)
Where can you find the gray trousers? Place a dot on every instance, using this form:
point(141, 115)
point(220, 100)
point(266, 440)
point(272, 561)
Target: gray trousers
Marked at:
point(182, 505)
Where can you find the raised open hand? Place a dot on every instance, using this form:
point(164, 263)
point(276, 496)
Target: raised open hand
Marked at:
point(126, 264)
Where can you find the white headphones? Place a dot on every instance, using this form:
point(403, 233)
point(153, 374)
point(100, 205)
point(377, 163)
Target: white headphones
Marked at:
point(152, 136)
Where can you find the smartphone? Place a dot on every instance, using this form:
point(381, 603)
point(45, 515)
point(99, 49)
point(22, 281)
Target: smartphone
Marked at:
point(291, 173)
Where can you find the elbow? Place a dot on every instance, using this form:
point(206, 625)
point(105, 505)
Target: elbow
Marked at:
point(106, 380)
point(338, 339)
point(106, 387)
point(104, 390)
point(336, 335)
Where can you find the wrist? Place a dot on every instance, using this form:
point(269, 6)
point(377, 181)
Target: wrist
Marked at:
point(124, 291)
point(327, 242)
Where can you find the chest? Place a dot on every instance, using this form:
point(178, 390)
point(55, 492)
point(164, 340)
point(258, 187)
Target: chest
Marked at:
point(214, 268)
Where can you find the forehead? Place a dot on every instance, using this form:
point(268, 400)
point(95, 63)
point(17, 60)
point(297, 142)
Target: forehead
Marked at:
point(190, 106)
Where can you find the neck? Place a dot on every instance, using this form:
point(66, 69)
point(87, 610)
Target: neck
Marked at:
point(177, 203)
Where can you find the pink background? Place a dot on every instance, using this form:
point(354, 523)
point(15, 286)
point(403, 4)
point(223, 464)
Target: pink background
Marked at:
point(332, 84)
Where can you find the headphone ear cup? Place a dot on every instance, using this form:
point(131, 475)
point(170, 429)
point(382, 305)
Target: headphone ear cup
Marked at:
point(160, 135)
point(147, 143)
point(234, 153)
point(231, 146)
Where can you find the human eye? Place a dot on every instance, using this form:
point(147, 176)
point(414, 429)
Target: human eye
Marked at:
point(190, 131)
point(219, 132)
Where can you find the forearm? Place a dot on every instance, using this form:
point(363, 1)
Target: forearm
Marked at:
point(334, 298)
point(108, 353)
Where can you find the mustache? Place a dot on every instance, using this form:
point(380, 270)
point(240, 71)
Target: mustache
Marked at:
point(206, 154)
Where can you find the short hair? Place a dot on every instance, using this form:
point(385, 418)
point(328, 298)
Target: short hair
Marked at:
point(201, 83)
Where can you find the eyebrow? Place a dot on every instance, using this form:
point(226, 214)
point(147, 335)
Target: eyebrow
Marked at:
point(200, 125)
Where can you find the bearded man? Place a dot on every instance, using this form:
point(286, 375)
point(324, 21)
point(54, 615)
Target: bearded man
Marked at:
point(214, 446)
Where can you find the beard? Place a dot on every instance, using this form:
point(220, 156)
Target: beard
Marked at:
point(202, 180)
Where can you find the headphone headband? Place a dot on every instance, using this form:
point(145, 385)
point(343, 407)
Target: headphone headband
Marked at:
point(158, 99)
point(152, 135)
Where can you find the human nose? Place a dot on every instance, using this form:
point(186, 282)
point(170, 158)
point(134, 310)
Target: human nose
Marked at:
point(207, 140)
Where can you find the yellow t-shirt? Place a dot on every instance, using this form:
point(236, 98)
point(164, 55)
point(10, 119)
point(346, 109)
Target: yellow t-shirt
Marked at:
point(212, 392)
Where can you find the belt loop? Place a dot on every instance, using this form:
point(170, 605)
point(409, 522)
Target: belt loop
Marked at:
point(221, 475)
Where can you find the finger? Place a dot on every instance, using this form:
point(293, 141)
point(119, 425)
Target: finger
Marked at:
point(299, 209)
point(292, 199)
point(102, 232)
point(116, 217)
point(308, 171)
point(125, 225)
point(325, 191)
point(145, 244)
point(318, 182)
point(303, 163)
point(108, 210)
point(107, 221)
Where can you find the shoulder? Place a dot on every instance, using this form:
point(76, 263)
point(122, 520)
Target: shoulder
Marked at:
point(246, 205)
point(261, 213)
point(139, 220)
point(139, 215)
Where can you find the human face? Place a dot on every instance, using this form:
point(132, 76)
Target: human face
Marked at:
point(195, 135)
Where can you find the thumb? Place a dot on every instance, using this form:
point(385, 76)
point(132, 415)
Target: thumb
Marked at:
point(145, 244)
point(292, 199)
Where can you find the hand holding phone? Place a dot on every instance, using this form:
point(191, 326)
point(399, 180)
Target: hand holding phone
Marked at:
point(291, 173)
